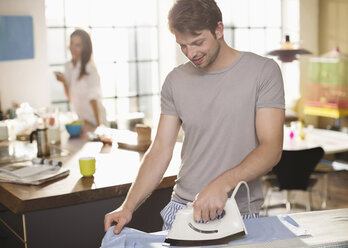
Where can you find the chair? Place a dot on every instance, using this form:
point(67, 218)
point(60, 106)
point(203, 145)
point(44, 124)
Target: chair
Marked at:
point(293, 172)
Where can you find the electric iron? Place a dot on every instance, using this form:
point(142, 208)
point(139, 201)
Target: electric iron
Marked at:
point(185, 231)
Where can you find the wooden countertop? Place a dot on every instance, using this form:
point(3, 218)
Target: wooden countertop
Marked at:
point(116, 169)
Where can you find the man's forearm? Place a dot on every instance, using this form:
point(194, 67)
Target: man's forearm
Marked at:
point(256, 164)
point(149, 176)
point(269, 129)
point(152, 168)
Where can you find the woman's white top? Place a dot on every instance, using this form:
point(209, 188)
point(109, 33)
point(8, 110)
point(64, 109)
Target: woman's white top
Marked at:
point(83, 90)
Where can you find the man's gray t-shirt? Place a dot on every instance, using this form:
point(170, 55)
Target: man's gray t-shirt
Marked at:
point(218, 110)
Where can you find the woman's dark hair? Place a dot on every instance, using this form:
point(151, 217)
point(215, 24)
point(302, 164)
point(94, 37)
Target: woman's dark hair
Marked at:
point(86, 49)
point(194, 15)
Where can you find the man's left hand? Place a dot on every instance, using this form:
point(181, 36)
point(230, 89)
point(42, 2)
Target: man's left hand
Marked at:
point(211, 201)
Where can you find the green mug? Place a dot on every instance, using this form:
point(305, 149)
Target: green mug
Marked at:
point(87, 166)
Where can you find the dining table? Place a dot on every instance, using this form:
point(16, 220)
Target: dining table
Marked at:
point(298, 137)
point(332, 142)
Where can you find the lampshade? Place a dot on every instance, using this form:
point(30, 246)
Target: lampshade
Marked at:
point(287, 53)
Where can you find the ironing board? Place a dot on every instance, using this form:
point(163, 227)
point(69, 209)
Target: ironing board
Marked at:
point(326, 228)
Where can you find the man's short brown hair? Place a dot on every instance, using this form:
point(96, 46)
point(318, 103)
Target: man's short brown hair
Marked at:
point(191, 16)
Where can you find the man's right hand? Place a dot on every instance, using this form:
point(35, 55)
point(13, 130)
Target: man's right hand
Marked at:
point(120, 216)
point(59, 76)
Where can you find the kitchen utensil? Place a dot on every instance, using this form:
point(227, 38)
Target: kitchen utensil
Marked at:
point(43, 146)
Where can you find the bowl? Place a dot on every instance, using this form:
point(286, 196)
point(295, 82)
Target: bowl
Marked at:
point(74, 128)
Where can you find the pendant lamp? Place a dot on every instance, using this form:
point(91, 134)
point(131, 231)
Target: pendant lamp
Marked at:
point(287, 53)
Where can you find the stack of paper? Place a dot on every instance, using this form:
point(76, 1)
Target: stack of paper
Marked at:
point(28, 173)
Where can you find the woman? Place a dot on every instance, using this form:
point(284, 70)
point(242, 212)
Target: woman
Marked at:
point(81, 80)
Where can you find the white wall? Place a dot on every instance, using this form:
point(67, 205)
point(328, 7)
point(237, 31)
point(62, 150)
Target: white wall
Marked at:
point(309, 36)
point(26, 80)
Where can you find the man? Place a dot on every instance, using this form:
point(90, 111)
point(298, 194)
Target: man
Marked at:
point(231, 107)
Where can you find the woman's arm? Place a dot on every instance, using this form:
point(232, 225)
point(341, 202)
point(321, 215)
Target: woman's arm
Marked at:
point(60, 77)
point(94, 105)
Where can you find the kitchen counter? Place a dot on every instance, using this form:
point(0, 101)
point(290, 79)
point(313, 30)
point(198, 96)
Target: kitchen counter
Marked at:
point(116, 169)
point(63, 200)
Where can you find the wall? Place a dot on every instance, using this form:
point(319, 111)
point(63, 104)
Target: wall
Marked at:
point(333, 25)
point(333, 31)
point(26, 80)
point(309, 33)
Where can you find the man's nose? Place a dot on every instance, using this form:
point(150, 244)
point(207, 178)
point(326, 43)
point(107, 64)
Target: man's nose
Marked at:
point(191, 52)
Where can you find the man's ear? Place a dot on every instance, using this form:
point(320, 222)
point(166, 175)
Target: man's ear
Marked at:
point(219, 31)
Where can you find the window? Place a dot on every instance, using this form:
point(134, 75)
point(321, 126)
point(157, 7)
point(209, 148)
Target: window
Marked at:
point(259, 26)
point(125, 50)
point(129, 49)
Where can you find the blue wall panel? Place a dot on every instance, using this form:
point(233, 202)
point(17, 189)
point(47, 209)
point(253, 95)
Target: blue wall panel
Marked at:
point(16, 37)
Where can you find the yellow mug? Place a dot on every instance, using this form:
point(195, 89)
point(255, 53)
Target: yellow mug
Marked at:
point(87, 166)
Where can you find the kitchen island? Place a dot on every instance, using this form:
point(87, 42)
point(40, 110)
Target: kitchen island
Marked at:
point(69, 212)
